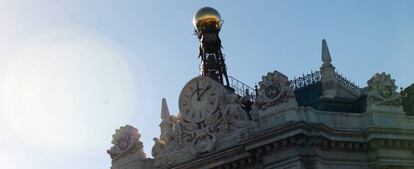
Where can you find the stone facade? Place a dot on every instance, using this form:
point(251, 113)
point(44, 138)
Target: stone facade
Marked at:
point(287, 124)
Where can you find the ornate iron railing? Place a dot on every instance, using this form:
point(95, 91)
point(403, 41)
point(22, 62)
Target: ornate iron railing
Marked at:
point(242, 89)
point(314, 77)
point(297, 83)
point(305, 80)
point(345, 83)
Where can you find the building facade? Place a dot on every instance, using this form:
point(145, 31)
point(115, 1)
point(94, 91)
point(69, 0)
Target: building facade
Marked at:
point(317, 121)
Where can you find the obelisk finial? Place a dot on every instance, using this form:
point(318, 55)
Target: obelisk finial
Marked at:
point(326, 57)
point(165, 113)
point(327, 73)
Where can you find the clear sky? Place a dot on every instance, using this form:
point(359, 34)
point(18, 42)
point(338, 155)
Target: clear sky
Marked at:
point(71, 72)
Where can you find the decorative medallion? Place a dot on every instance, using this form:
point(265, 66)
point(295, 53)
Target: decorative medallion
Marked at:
point(274, 89)
point(126, 141)
point(386, 91)
point(382, 90)
point(382, 95)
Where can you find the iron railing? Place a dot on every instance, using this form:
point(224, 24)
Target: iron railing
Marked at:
point(346, 83)
point(314, 77)
point(305, 80)
point(242, 89)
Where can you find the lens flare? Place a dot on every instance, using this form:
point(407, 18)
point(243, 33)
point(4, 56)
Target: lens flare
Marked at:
point(67, 91)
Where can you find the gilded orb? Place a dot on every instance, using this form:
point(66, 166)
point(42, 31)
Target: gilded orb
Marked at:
point(205, 17)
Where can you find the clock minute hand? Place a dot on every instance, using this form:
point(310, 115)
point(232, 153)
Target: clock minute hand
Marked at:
point(204, 91)
point(198, 92)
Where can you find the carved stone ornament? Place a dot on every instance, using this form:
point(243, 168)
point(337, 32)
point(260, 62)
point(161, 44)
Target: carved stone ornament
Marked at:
point(208, 113)
point(125, 142)
point(273, 90)
point(382, 94)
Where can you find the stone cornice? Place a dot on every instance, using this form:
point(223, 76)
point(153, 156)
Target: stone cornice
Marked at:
point(305, 127)
point(291, 129)
point(320, 130)
point(215, 159)
point(257, 145)
point(339, 120)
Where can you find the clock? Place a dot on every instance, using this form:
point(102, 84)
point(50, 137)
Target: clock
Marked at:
point(199, 98)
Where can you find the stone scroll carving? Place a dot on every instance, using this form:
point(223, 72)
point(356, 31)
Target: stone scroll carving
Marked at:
point(382, 95)
point(274, 89)
point(126, 142)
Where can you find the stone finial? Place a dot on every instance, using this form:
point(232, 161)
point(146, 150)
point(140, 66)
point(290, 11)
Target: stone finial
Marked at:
point(167, 140)
point(327, 73)
point(167, 122)
point(382, 95)
point(165, 113)
point(326, 57)
point(126, 144)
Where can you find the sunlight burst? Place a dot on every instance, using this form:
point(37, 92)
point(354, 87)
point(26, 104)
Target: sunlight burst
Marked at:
point(65, 90)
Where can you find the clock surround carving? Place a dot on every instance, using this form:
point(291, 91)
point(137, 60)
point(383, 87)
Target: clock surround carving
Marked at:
point(198, 134)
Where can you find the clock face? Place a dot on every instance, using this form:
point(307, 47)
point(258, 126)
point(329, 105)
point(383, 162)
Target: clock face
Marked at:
point(199, 98)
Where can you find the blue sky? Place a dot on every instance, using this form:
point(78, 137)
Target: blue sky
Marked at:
point(71, 72)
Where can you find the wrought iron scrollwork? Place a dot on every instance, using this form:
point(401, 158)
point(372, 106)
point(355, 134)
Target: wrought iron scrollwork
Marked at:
point(305, 80)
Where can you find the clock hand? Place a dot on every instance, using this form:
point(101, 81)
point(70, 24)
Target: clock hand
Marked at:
point(198, 92)
point(204, 91)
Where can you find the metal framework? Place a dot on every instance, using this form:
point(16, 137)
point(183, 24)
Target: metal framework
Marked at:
point(211, 58)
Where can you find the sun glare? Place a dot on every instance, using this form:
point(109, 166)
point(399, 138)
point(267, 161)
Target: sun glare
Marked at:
point(62, 89)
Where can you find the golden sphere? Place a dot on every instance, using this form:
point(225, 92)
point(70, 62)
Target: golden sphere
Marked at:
point(207, 16)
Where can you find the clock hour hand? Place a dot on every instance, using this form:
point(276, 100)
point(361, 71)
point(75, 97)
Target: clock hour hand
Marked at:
point(204, 91)
point(198, 92)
